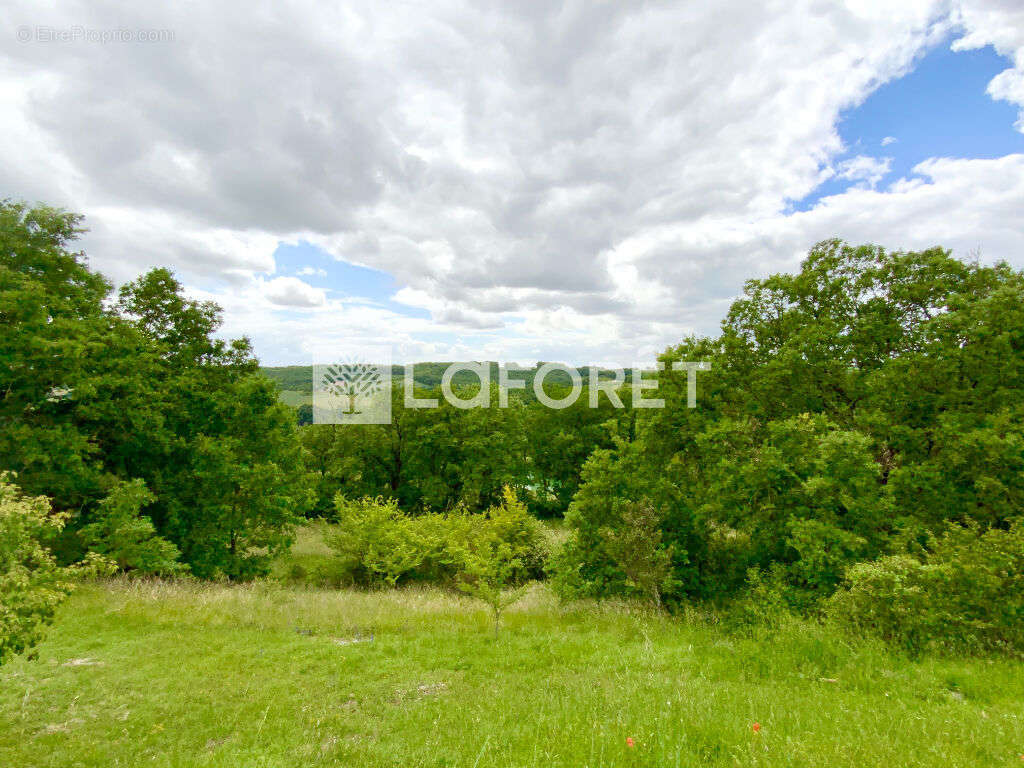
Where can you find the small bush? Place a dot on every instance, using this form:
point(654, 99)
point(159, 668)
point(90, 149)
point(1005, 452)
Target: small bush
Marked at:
point(376, 543)
point(31, 583)
point(966, 592)
point(763, 607)
point(636, 547)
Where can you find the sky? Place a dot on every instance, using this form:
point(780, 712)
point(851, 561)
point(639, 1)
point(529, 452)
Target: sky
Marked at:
point(515, 181)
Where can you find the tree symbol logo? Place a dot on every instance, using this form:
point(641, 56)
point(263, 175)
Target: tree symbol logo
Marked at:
point(353, 387)
point(352, 381)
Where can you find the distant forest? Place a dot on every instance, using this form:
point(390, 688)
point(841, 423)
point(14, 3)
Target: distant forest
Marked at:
point(296, 381)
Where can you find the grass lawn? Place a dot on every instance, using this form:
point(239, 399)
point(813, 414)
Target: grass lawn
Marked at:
point(158, 674)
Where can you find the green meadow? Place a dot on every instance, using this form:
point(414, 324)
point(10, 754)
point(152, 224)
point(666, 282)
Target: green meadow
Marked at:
point(273, 674)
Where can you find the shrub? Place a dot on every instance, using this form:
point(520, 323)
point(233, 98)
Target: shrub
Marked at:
point(376, 543)
point(966, 592)
point(121, 533)
point(591, 561)
point(636, 547)
point(824, 551)
point(31, 583)
point(764, 605)
point(510, 523)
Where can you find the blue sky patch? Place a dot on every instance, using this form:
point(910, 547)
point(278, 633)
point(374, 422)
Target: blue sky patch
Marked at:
point(341, 279)
point(939, 109)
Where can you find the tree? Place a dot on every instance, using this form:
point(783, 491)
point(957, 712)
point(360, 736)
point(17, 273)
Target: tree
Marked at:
point(558, 442)
point(494, 558)
point(60, 355)
point(487, 570)
point(93, 395)
point(851, 407)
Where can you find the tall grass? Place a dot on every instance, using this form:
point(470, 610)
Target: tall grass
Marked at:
point(194, 674)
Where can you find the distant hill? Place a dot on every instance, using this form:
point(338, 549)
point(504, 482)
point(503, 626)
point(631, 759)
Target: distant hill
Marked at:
point(296, 381)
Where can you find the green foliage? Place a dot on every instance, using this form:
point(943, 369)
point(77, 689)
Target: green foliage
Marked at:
point(823, 551)
point(61, 357)
point(635, 546)
point(851, 410)
point(120, 532)
point(763, 608)
point(966, 592)
point(375, 542)
point(445, 457)
point(558, 443)
point(32, 585)
point(807, 495)
point(593, 561)
point(98, 394)
point(493, 557)
point(427, 459)
point(487, 571)
point(304, 414)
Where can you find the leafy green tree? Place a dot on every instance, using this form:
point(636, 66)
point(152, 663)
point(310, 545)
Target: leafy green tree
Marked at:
point(591, 561)
point(494, 559)
point(427, 459)
point(332, 454)
point(487, 572)
point(60, 355)
point(801, 469)
point(558, 443)
point(850, 408)
point(95, 394)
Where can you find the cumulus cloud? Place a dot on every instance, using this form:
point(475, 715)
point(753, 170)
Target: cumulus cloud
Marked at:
point(549, 181)
point(292, 292)
point(862, 168)
point(999, 23)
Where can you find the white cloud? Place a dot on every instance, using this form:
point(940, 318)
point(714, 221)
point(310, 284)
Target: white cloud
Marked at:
point(866, 169)
point(561, 182)
point(889, 140)
point(292, 292)
point(999, 23)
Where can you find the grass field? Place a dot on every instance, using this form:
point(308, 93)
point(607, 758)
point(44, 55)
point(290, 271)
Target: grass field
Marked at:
point(265, 675)
point(295, 398)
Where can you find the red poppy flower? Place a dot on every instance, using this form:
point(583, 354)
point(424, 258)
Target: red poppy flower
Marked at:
point(629, 741)
point(756, 727)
